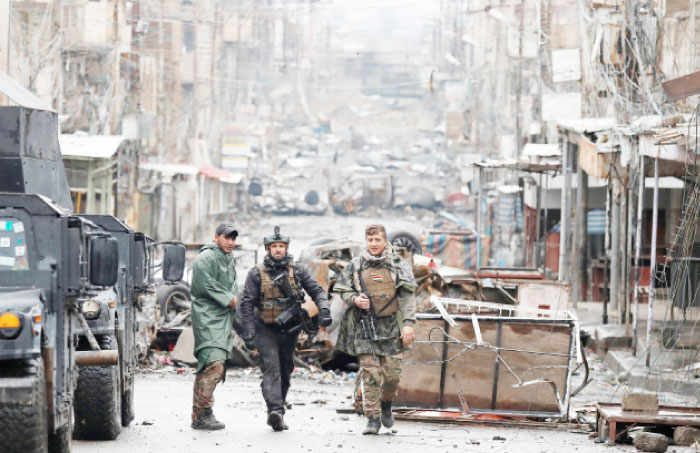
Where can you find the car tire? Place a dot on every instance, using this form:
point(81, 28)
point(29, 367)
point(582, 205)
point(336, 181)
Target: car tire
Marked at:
point(25, 427)
point(60, 440)
point(98, 398)
point(165, 296)
point(128, 413)
point(407, 240)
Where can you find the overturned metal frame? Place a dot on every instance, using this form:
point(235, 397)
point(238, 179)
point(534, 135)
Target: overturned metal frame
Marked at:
point(495, 365)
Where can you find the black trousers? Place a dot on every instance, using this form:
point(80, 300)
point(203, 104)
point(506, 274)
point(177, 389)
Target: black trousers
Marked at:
point(276, 349)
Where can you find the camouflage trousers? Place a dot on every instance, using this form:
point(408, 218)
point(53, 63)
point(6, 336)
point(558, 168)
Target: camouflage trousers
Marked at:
point(204, 385)
point(380, 380)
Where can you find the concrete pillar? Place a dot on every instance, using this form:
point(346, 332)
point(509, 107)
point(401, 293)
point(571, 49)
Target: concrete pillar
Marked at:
point(580, 263)
point(615, 245)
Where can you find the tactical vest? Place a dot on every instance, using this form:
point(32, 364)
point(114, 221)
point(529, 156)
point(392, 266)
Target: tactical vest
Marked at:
point(271, 304)
point(381, 288)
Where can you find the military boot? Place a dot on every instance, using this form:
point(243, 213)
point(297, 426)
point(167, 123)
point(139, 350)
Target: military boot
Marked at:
point(276, 420)
point(387, 414)
point(373, 425)
point(207, 421)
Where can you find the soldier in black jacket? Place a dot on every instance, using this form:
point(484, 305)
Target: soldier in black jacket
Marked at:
point(261, 305)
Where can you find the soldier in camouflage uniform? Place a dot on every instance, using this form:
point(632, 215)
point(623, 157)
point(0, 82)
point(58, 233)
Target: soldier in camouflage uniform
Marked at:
point(389, 281)
point(214, 289)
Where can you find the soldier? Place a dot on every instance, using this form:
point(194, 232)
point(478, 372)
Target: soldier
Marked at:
point(382, 282)
point(261, 305)
point(214, 289)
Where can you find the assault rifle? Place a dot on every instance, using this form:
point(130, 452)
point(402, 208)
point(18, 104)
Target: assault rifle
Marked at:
point(367, 316)
point(294, 318)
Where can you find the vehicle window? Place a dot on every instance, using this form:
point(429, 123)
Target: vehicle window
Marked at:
point(13, 245)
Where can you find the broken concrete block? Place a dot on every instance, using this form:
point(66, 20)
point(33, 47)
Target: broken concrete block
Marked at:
point(647, 402)
point(685, 435)
point(651, 442)
point(184, 348)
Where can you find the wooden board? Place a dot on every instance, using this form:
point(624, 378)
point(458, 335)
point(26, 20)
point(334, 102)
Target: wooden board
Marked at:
point(475, 378)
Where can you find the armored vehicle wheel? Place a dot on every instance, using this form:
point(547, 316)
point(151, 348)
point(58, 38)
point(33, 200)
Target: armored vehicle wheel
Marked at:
point(128, 413)
point(24, 427)
point(59, 441)
point(97, 407)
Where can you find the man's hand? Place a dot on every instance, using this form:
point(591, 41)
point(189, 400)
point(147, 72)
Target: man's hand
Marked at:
point(250, 343)
point(324, 317)
point(407, 335)
point(233, 303)
point(362, 302)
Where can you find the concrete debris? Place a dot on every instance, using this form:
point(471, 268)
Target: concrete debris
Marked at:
point(686, 435)
point(648, 402)
point(653, 442)
point(147, 319)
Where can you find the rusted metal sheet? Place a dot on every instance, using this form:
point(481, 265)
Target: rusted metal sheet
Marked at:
point(682, 87)
point(459, 418)
point(594, 162)
point(611, 418)
point(491, 364)
point(511, 273)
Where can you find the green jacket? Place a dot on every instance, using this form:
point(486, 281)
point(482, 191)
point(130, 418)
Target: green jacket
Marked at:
point(388, 328)
point(213, 287)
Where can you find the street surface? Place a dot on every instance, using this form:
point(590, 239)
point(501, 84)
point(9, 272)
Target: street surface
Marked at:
point(163, 405)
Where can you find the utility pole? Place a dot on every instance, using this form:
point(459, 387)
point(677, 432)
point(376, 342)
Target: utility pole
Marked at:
point(652, 265)
point(519, 85)
point(565, 217)
point(580, 237)
point(638, 250)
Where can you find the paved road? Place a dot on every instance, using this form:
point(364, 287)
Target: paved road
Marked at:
point(163, 403)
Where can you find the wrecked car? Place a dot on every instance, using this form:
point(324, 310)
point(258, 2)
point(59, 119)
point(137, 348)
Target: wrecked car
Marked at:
point(360, 192)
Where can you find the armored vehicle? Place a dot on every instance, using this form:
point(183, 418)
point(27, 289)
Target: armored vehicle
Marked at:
point(49, 260)
point(104, 398)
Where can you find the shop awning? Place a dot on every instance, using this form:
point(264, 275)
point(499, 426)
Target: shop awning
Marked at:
point(89, 146)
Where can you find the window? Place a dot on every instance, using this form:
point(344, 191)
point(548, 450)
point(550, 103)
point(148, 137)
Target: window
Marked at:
point(13, 245)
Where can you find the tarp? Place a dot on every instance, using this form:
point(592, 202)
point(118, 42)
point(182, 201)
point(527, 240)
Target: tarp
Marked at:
point(509, 211)
point(455, 250)
point(596, 222)
point(221, 174)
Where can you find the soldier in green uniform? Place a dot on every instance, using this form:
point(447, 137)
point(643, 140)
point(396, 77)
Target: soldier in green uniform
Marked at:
point(382, 282)
point(214, 289)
